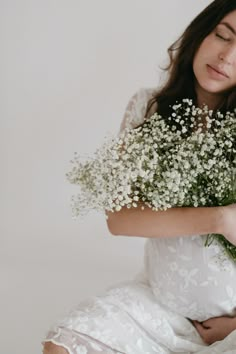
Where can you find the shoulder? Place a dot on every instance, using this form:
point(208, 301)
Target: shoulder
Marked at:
point(136, 107)
point(141, 97)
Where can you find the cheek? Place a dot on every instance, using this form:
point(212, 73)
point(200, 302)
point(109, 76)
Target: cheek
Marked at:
point(197, 62)
point(204, 51)
point(202, 56)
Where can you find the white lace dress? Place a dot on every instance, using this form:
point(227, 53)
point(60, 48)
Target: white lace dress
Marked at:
point(181, 280)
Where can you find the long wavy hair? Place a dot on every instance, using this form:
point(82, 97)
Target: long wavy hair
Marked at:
point(180, 82)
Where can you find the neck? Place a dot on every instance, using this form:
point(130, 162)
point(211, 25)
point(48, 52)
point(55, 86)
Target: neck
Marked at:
point(212, 100)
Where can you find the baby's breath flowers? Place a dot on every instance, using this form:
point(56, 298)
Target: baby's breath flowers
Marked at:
point(187, 159)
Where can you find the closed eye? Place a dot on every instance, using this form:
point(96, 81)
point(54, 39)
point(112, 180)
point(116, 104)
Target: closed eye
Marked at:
point(223, 38)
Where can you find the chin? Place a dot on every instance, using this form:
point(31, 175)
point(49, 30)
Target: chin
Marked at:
point(212, 88)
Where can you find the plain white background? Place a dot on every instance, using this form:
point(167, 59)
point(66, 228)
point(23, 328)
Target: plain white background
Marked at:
point(68, 69)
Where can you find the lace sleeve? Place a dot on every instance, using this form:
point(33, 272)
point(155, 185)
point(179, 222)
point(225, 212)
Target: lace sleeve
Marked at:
point(136, 108)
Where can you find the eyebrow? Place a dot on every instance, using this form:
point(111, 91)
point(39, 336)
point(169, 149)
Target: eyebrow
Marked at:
point(228, 26)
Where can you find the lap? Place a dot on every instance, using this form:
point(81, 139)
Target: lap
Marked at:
point(128, 319)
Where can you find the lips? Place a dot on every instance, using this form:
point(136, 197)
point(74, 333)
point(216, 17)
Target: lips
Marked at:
point(218, 70)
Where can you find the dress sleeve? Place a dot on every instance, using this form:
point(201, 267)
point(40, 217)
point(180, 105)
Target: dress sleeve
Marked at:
point(136, 108)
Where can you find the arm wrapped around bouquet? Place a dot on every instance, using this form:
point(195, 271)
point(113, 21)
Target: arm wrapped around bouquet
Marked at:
point(173, 162)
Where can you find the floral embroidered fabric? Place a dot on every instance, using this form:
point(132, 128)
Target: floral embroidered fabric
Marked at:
point(181, 280)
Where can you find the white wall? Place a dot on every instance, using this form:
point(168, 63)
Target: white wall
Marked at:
point(67, 68)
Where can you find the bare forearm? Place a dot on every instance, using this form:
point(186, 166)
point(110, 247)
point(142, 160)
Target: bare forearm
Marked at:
point(170, 223)
point(234, 323)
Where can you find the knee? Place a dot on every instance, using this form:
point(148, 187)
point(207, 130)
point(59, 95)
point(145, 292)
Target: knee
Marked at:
point(51, 348)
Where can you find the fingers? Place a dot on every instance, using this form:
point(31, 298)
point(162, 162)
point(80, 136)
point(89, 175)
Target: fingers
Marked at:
point(206, 324)
point(202, 325)
point(215, 329)
point(199, 327)
point(204, 332)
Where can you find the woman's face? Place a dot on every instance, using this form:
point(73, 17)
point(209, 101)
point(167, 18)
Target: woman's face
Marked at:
point(214, 64)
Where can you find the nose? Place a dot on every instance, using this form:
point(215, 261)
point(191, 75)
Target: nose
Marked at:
point(228, 55)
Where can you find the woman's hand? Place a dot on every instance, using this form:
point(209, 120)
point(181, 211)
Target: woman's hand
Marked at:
point(215, 329)
point(229, 223)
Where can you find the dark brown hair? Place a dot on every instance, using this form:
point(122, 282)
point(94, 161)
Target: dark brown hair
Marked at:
point(180, 83)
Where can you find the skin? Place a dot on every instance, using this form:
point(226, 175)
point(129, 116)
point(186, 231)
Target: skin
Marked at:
point(217, 53)
point(215, 329)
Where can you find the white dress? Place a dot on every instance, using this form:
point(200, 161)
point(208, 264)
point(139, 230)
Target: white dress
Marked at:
point(181, 280)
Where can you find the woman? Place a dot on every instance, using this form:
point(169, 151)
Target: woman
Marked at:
point(183, 302)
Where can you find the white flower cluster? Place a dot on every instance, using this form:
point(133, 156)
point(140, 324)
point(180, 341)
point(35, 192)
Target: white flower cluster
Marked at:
point(185, 160)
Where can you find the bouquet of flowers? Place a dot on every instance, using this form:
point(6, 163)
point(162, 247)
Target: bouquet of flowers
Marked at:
point(178, 161)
